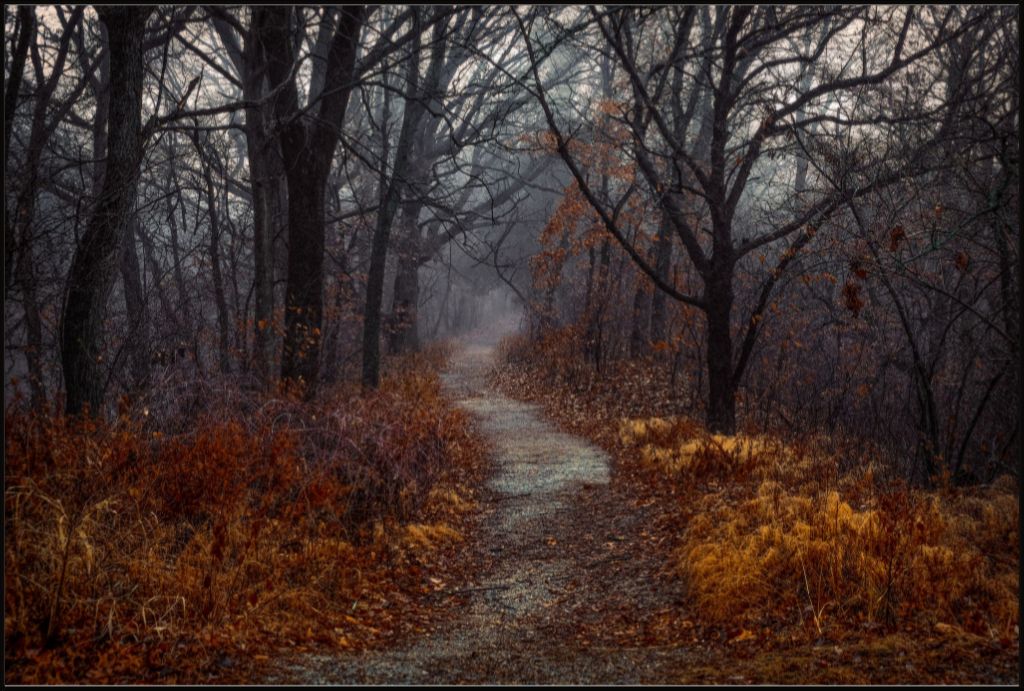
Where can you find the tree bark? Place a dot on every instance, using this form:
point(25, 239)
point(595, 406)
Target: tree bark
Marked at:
point(404, 335)
point(396, 187)
point(721, 413)
point(94, 265)
point(663, 265)
point(218, 278)
point(137, 338)
point(307, 143)
point(26, 31)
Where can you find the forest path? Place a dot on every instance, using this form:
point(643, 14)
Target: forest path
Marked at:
point(558, 554)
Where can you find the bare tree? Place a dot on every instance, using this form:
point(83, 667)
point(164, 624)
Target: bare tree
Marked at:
point(96, 258)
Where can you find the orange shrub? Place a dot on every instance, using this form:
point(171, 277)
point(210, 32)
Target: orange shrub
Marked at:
point(792, 539)
point(262, 516)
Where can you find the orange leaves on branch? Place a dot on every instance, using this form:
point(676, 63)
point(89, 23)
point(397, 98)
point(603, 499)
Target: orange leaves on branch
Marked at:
point(858, 268)
point(961, 261)
point(852, 299)
point(896, 236)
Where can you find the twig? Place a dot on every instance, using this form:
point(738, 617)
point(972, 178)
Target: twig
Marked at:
point(473, 590)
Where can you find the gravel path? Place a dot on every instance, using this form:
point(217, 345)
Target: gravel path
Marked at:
point(542, 538)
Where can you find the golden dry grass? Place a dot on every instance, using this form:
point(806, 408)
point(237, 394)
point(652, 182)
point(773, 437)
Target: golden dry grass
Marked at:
point(779, 534)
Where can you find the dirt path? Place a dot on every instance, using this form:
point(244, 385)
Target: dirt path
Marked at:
point(553, 560)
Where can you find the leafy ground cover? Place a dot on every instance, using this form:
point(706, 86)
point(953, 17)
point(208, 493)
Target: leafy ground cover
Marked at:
point(193, 547)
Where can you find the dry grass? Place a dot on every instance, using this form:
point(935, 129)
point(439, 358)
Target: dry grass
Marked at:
point(780, 535)
point(129, 544)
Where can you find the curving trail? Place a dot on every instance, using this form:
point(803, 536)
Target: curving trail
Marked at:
point(552, 559)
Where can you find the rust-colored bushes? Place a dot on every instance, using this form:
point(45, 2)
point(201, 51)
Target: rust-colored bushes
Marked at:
point(263, 516)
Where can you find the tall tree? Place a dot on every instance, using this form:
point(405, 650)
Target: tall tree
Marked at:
point(95, 263)
point(308, 138)
point(396, 187)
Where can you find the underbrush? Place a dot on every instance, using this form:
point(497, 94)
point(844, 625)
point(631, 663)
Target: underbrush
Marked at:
point(780, 535)
point(148, 544)
point(811, 534)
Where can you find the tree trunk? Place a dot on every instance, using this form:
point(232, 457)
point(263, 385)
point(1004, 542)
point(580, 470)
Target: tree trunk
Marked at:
point(404, 336)
point(640, 333)
point(26, 30)
point(303, 318)
point(721, 413)
point(218, 278)
point(94, 265)
point(396, 188)
point(264, 197)
point(663, 265)
point(137, 338)
point(307, 143)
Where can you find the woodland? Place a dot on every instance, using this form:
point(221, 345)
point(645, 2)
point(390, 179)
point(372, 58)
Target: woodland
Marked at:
point(723, 301)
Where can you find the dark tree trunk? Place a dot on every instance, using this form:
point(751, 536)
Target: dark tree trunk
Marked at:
point(721, 413)
point(395, 189)
point(639, 336)
point(218, 278)
point(404, 336)
point(94, 265)
point(26, 30)
point(304, 295)
point(307, 144)
point(663, 265)
point(260, 147)
point(137, 338)
point(264, 183)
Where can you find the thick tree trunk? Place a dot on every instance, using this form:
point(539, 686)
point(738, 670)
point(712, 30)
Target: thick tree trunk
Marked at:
point(264, 196)
point(303, 318)
point(264, 184)
point(94, 265)
point(721, 413)
point(307, 144)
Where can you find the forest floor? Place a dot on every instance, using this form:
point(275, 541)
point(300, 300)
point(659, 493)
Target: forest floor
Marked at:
point(565, 581)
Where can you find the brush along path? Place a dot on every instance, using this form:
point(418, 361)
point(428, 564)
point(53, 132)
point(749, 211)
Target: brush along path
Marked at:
point(556, 553)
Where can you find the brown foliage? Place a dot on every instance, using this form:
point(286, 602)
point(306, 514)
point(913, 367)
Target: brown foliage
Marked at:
point(134, 545)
